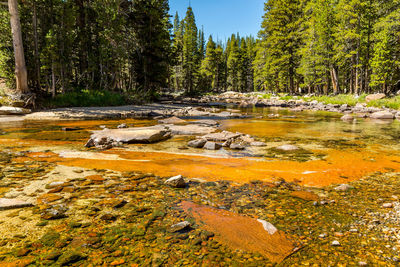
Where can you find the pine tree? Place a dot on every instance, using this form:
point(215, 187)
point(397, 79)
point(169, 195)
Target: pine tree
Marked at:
point(233, 63)
point(386, 57)
point(190, 52)
point(317, 65)
point(209, 65)
point(151, 26)
point(277, 57)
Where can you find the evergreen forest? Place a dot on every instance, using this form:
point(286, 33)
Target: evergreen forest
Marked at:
point(135, 48)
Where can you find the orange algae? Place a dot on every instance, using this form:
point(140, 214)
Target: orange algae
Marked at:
point(240, 232)
point(338, 167)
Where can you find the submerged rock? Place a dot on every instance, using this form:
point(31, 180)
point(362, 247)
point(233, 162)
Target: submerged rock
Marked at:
point(176, 181)
point(55, 212)
point(305, 195)
point(198, 143)
point(70, 257)
point(258, 144)
point(242, 232)
point(212, 146)
point(237, 146)
point(347, 117)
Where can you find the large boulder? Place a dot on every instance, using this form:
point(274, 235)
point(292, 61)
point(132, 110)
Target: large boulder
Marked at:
point(372, 97)
point(382, 115)
point(141, 135)
point(14, 111)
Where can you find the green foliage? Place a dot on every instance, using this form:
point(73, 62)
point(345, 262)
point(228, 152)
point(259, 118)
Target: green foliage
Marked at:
point(86, 98)
point(277, 56)
point(341, 99)
point(6, 49)
point(393, 103)
point(386, 59)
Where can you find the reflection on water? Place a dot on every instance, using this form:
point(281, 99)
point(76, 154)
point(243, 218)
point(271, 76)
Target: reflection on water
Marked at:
point(331, 151)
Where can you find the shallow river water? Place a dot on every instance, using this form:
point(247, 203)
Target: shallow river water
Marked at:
point(331, 151)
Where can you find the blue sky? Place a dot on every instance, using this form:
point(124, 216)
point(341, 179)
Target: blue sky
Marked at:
point(221, 18)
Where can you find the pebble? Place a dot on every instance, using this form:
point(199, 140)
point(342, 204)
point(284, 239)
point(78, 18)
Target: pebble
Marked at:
point(335, 243)
point(387, 205)
point(343, 187)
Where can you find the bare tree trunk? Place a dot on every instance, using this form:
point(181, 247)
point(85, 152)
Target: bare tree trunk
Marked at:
point(335, 82)
point(21, 73)
point(53, 81)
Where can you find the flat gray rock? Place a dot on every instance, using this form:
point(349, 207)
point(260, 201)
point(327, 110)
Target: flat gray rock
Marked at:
point(190, 129)
point(7, 204)
point(222, 136)
point(206, 122)
point(14, 111)
point(382, 115)
point(172, 120)
point(258, 144)
point(133, 135)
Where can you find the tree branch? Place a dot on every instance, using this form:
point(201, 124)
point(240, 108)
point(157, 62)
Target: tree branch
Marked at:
point(4, 3)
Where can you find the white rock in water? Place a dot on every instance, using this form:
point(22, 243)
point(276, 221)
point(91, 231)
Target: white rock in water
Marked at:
point(268, 227)
point(180, 226)
point(347, 117)
point(288, 147)
point(335, 243)
point(176, 181)
point(343, 187)
point(387, 205)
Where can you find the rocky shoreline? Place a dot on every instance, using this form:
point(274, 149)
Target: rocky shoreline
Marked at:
point(192, 108)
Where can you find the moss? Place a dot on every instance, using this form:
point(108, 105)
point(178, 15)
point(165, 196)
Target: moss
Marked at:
point(50, 238)
point(300, 155)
